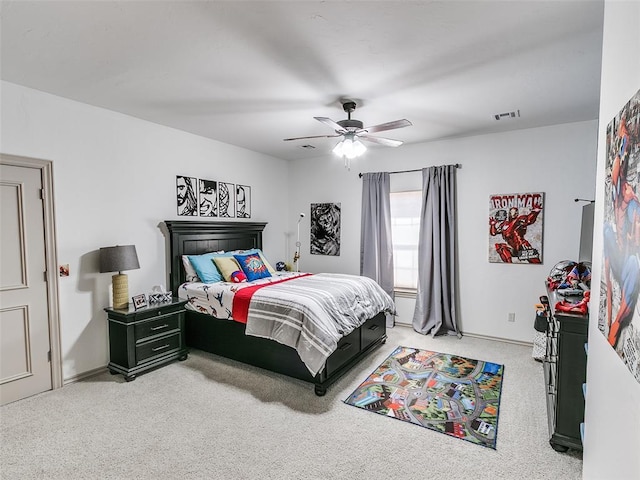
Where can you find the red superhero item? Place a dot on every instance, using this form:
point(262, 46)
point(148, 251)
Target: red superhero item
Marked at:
point(622, 243)
point(513, 231)
point(580, 308)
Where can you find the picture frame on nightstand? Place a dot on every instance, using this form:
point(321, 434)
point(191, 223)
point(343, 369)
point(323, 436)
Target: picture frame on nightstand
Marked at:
point(139, 301)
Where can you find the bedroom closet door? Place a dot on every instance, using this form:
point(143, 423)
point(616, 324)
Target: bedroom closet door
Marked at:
point(25, 346)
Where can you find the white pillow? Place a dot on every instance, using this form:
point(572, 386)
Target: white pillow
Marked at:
point(190, 273)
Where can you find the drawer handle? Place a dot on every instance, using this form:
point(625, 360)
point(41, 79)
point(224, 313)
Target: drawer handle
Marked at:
point(160, 327)
point(345, 347)
point(160, 348)
point(373, 328)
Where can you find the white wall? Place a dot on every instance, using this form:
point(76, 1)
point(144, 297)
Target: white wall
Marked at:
point(114, 182)
point(612, 417)
point(558, 160)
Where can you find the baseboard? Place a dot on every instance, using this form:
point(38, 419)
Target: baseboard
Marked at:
point(482, 337)
point(497, 339)
point(85, 375)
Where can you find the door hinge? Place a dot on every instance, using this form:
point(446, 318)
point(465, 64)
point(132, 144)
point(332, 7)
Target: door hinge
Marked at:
point(46, 277)
point(42, 194)
point(49, 356)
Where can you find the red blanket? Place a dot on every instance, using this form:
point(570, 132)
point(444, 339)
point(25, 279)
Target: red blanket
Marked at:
point(242, 298)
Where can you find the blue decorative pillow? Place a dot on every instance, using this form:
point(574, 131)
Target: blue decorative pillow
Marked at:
point(205, 268)
point(252, 266)
point(259, 252)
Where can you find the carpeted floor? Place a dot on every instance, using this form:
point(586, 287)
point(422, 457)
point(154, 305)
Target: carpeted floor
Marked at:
point(210, 418)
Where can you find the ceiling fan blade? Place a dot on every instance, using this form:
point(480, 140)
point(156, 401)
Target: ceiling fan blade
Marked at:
point(313, 136)
point(327, 121)
point(387, 126)
point(387, 142)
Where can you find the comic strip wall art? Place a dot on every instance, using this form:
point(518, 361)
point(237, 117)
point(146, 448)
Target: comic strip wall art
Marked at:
point(208, 200)
point(618, 317)
point(325, 229)
point(227, 200)
point(243, 201)
point(187, 195)
point(515, 227)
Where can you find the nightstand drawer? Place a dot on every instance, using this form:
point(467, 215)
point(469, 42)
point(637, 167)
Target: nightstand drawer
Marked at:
point(156, 347)
point(157, 311)
point(159, 325)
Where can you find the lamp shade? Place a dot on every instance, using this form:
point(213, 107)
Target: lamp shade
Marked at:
point(118, 258)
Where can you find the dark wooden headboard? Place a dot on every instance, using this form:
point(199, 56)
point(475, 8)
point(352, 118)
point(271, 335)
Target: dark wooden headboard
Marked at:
point(188, 237)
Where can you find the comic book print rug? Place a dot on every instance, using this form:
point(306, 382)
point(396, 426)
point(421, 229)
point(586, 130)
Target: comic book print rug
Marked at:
point(453, 395)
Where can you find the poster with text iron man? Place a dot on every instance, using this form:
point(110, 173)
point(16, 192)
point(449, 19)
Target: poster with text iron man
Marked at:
point(515, 227)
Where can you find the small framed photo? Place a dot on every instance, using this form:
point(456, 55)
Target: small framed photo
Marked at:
point(139, 301)
point(164, 297)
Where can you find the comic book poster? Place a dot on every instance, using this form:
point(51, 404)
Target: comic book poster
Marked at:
point(618, 317)
point(515, 227)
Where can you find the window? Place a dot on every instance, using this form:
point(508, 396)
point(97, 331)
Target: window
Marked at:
point(405, 229)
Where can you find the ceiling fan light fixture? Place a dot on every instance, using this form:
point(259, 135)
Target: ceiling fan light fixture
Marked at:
point(350, 147)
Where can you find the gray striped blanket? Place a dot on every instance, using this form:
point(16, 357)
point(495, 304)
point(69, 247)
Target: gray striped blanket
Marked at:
point(311, 314)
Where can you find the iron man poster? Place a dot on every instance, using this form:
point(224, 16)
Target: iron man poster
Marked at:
point(515, 227)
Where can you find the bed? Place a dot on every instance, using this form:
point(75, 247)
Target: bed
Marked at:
point(227, 338)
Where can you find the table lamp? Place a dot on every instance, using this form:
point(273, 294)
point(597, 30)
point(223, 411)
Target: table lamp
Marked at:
point(117, 259)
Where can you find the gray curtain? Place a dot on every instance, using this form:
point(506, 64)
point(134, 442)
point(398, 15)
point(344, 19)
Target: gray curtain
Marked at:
point(435, 311)
point(376, 252)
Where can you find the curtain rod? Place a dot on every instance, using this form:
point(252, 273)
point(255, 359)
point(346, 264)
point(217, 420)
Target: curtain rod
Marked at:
point(457, 165)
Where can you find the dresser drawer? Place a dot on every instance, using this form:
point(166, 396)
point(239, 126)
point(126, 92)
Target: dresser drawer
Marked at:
point(147, 351)
point(373, 329)
point(348, 347)
point(156, 326)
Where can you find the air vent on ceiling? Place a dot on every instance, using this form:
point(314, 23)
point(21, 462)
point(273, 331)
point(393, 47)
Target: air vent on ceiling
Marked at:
point(307, 147)
point(500, 116)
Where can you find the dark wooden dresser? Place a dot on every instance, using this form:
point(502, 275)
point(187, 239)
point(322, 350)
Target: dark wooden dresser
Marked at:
point(565, 370)
point(149, 337)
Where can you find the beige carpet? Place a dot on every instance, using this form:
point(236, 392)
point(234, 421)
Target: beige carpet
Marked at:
point(210, 418)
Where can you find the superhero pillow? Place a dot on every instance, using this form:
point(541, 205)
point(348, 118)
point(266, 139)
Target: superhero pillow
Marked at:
point(252, 266)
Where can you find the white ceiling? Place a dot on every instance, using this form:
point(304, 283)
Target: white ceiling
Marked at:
point(253, 73)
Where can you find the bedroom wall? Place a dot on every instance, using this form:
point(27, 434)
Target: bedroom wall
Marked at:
point(114, 182)
point(612, 416)
point(559, 160)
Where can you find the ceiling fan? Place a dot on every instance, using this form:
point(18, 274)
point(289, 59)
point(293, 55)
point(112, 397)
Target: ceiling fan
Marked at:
point(353, 131)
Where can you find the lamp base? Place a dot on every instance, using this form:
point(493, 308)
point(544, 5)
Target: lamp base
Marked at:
point(120, 284)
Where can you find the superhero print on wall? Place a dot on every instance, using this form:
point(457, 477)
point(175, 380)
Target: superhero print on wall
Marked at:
point(515, 227)
point(618, 317)
point(325, 229)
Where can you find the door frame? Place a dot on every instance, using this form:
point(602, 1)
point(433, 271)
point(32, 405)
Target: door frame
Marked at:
point(51, 258)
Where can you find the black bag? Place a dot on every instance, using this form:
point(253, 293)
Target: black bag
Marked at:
point(541, 322)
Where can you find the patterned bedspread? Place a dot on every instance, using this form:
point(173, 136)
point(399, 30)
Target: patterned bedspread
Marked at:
point(310, 314)
point(216, 299)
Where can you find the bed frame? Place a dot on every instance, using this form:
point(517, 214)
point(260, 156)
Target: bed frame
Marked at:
point(227, 338)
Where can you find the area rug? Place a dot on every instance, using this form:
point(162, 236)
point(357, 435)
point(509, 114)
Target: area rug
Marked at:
point(453, 395)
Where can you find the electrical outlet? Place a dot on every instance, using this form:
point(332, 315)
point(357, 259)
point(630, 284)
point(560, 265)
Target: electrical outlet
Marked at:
point(512, 317)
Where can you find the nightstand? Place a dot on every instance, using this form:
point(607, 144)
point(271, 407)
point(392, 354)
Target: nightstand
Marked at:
point(149, 337)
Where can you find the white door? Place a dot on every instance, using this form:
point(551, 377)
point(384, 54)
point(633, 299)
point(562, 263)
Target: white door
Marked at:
point(25, 367)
